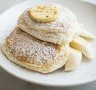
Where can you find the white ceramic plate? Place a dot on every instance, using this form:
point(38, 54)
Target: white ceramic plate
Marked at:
point(86, 72)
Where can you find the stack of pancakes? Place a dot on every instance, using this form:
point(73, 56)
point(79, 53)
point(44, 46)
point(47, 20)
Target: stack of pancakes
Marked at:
point(44, 38)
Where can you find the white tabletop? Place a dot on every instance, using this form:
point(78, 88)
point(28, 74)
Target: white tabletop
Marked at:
point(8, 82)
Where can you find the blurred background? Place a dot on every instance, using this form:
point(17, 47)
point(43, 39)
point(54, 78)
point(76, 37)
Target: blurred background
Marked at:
point(8, 82)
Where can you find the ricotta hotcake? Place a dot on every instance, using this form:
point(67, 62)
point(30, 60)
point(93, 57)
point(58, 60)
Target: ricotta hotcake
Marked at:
point(31, 53)
point(60, 31)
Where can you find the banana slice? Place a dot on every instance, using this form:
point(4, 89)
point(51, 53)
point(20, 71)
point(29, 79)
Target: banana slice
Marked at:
point(83, 33)
point(44, 14)
point(83, 46)
point(86, 35)
point(73, 60)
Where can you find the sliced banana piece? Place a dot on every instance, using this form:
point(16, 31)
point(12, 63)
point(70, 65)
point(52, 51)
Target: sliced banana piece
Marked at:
point(83, 46)
point(43, 13)
point(83, 33)
point(73, 60)
point(86, 35)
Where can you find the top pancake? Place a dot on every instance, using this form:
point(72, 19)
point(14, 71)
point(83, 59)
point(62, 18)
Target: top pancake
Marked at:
point(65, 21)
point(60, 31)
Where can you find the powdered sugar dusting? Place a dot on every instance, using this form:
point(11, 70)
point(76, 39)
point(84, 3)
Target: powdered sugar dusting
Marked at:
point(64, 22)
point(28, 49)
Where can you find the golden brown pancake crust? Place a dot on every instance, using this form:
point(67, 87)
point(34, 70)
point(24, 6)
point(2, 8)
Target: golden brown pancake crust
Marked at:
point(31, 53)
